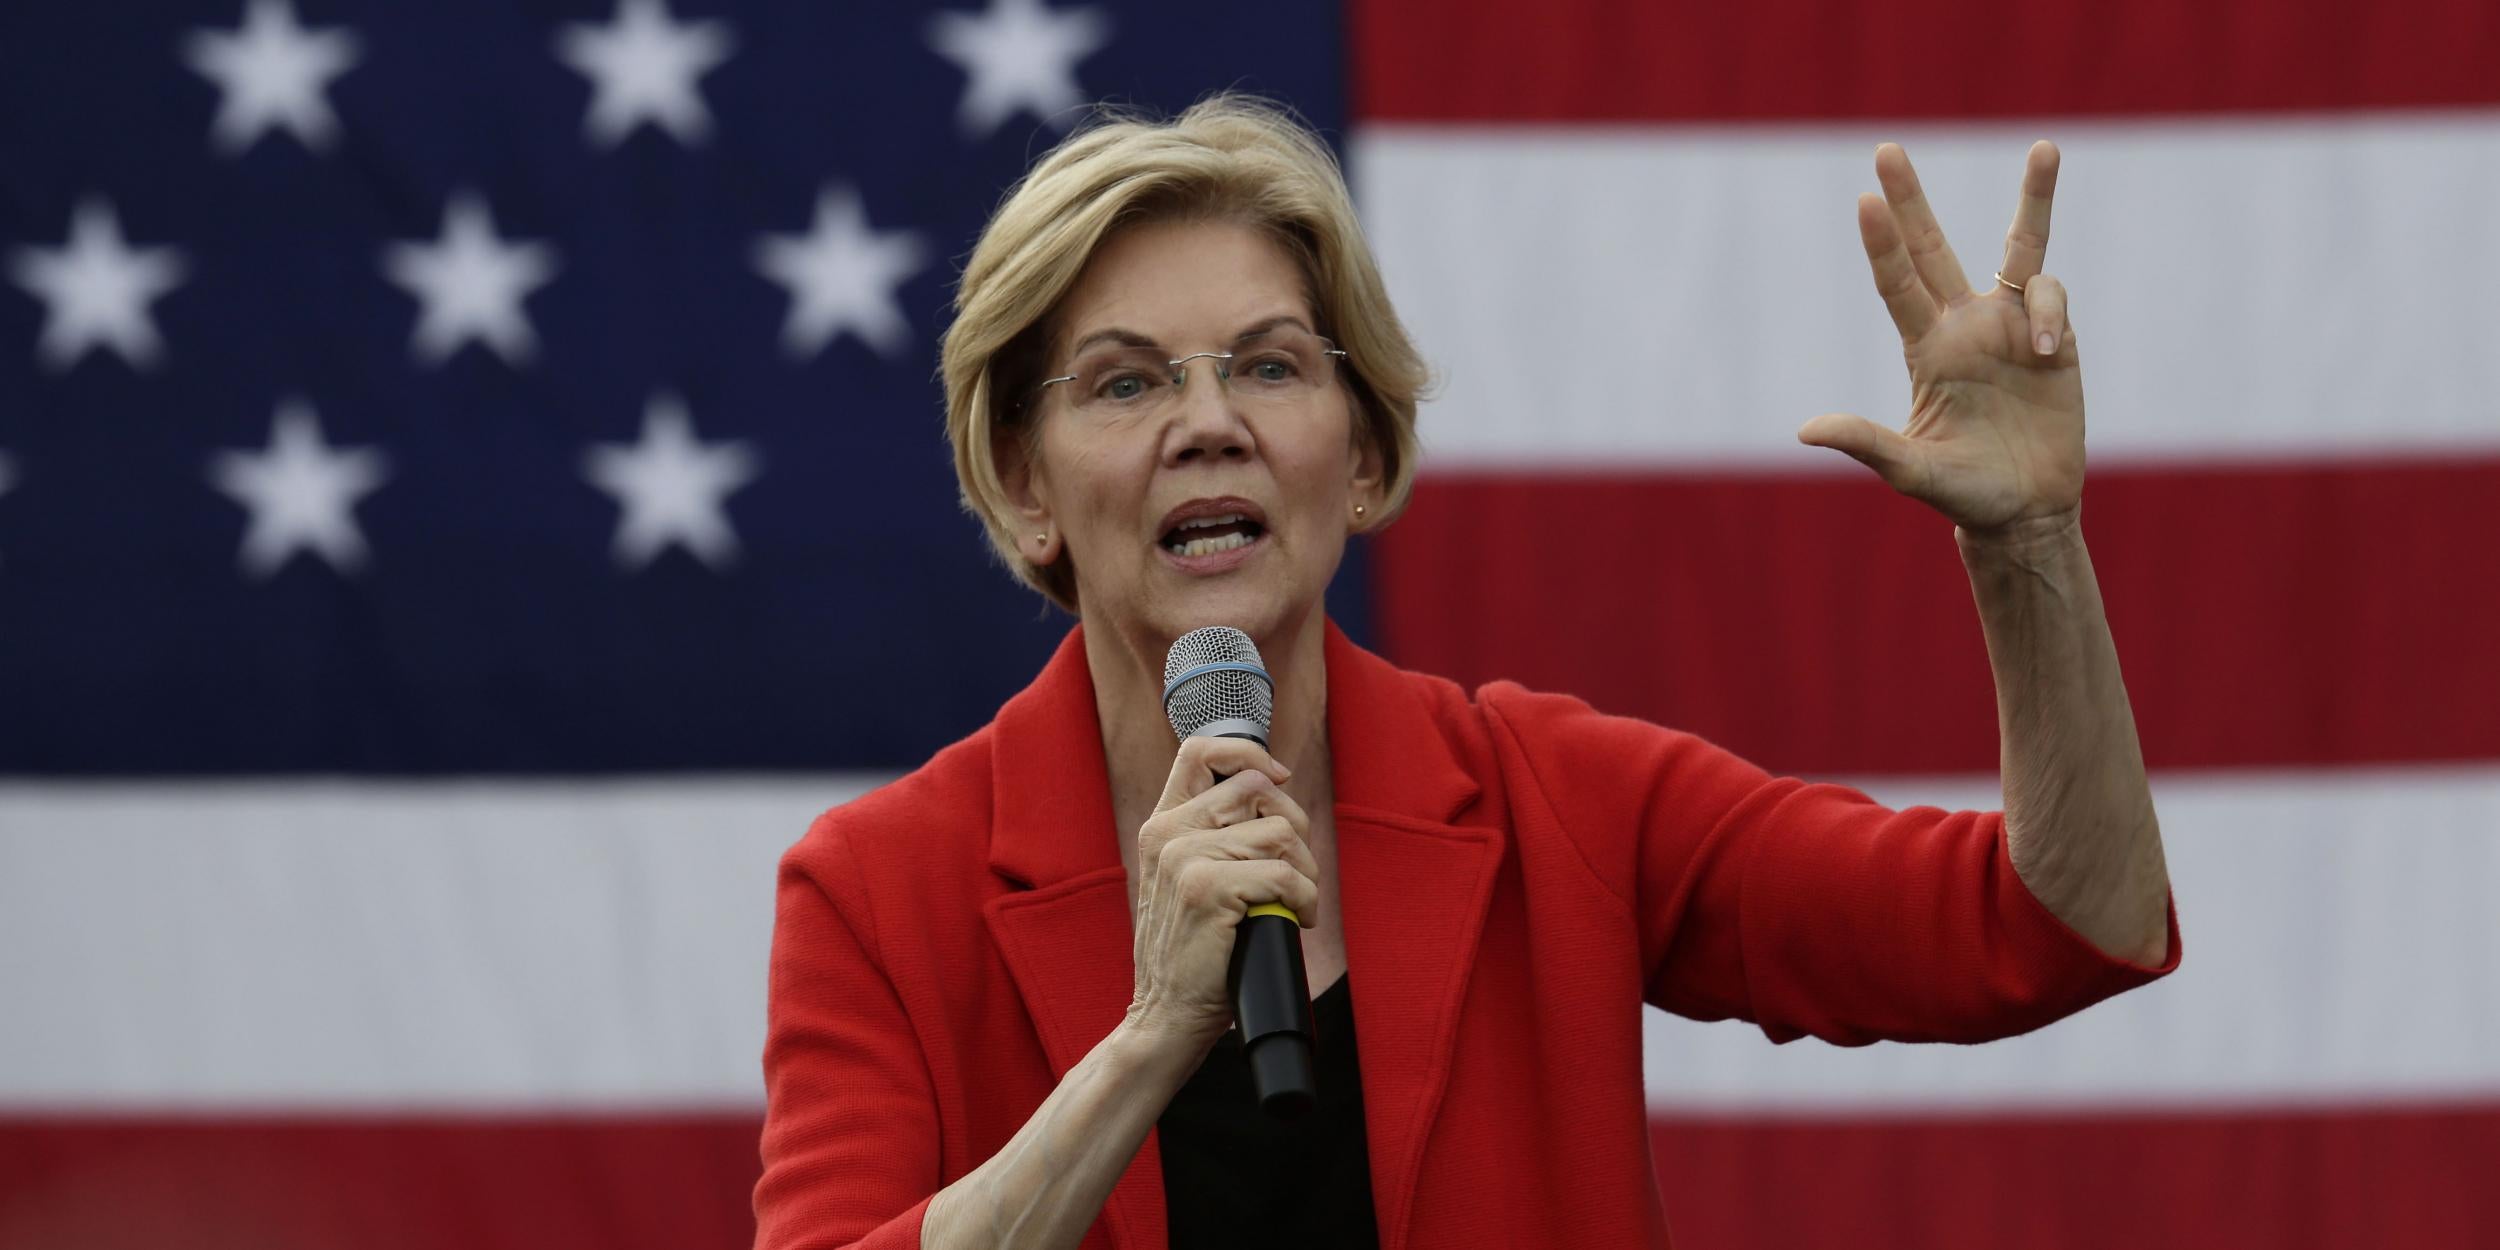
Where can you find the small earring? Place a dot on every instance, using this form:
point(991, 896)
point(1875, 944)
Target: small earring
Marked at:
point(1041, 538)
point(1358, 509)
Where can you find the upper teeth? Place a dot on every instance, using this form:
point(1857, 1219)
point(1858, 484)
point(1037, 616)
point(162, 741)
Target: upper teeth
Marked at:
point(1205, 521)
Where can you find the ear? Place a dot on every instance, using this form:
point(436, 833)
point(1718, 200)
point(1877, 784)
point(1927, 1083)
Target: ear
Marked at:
point(1364, 472)
point(1028, 490)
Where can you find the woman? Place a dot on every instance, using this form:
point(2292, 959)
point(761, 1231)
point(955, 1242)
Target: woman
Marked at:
point(1174, 387)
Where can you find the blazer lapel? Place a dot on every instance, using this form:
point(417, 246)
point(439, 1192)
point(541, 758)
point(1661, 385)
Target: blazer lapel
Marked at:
point(1414, 889)
point(1067, 941)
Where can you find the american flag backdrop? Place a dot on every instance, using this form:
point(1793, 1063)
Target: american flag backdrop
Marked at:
point(472, 487)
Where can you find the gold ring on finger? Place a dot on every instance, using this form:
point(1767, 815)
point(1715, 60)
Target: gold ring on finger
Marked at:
point(2015, 287)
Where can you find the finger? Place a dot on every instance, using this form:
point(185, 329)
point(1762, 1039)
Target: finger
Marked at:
point(1913, 311)
point(1937, 267)
point(1288, 887)
point(2027, 241)
point(1200, 762)
point(1895, 459)
point(1274, 837)
point(1245, 795)
point(2044, 299)
point(1244, 798)
point(1242, 888)
point(1268, 837)
point(1235, 799)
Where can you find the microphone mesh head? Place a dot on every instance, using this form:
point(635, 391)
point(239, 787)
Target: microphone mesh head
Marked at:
point(1227, 694)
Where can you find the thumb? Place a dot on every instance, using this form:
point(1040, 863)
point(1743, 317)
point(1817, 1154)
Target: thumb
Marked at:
point(1895, 459)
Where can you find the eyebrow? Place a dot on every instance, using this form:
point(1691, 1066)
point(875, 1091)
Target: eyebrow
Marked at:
point(1131, 338)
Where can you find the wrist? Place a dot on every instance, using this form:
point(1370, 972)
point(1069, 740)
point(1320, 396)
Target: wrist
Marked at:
point(1146, 1050)
point(2025, 536)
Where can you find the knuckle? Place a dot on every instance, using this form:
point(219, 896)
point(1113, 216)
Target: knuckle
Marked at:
point(1278, 837)
point(1295, 843)
point(1175, 856)
point(1192, 883)
point(1289, 881)
point(1230, 807)
point(1272, 836)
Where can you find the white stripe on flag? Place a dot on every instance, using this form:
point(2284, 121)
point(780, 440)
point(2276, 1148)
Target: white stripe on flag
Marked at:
point(498, 944)
point(2339, 945)
point(2241, 289)
point(602, 945)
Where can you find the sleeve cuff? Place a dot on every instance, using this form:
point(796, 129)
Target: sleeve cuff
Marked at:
point(2039, 931)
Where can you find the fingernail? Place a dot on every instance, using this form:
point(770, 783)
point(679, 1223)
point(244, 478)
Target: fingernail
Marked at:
point(2047, 343)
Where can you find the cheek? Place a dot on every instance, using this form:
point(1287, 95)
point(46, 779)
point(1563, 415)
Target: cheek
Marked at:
point(1101, 485)
point(1315, 467)
point(1314, 494)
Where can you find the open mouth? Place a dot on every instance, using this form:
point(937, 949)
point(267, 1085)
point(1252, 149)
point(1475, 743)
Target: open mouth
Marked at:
point(1213, 535)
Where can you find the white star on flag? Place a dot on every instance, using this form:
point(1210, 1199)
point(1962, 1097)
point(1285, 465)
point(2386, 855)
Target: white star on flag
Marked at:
point(1018, 54)
point(301, 493)
point(471, 283)
point(671, 488)
point(96, 289)
point(273, 74)
point(642, 68)
point(842, 276)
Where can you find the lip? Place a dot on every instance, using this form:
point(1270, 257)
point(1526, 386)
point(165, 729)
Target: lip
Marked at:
point(1196, 508)
point(1221, 561)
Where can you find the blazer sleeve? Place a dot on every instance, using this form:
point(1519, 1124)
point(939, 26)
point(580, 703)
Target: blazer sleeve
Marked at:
point(1808, 909)
point(850, 1144)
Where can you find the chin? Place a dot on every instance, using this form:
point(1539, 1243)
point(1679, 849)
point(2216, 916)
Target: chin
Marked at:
point(1256, 610)
point(1267, 620)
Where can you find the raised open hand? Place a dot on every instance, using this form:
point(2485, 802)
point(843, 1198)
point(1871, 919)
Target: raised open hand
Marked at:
point(1995, 432)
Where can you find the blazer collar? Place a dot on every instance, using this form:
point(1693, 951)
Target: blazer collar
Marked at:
point(1391, 754)
point(1415, 889)
point(1050, 787)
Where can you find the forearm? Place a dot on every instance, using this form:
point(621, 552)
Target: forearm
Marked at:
point(1047, 1184)
point(2078, 811)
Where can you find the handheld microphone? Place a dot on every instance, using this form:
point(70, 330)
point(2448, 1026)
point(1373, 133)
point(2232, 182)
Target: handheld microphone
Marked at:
point(1214, 686)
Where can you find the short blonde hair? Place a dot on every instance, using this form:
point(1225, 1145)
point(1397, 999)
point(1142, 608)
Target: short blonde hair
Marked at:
point(1229, 157)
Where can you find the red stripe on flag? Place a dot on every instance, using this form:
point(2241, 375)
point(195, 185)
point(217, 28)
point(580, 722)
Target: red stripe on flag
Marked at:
point(651, 1182)
point(2380, 1176)
point(2373, 1176)
point(1631, 60)
point(2265, 615)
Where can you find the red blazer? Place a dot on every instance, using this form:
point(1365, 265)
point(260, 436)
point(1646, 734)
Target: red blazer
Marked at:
point(1518, 875)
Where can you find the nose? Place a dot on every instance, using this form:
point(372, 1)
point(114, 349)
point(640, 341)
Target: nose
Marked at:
point(1205, 421)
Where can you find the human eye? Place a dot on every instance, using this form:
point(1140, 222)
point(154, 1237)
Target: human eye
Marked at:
point(1120, 383)
point(1121, 387)
point(1273, 368)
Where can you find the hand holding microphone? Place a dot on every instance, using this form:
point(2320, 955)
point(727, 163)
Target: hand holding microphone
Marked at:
point(1212, 851)
point(1244, 880)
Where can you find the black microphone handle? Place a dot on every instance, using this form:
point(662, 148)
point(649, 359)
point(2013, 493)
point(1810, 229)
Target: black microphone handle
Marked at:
point(1272, 1007)
point(1271, 992)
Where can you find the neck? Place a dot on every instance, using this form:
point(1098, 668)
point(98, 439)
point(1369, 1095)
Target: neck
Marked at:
point(1137, 738)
